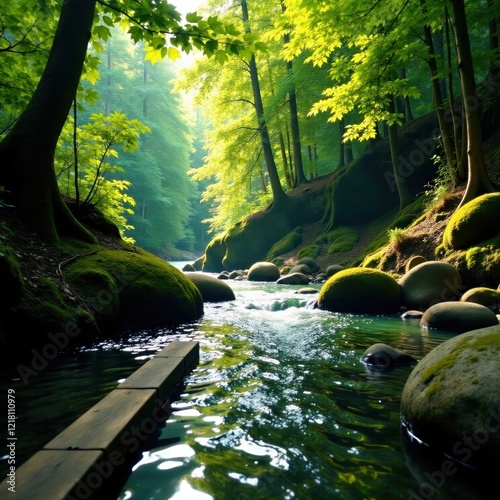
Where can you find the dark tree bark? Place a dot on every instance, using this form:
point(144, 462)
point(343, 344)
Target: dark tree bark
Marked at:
point(279, 196)
point(494, 42)
point(27, 152)
point(439, 102)
point(478, 181)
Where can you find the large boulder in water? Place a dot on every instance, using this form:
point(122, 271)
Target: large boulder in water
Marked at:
point(458, 317)
point(477, 220)
point(263, 271)
point(293, 279)
point(211, 288)
point(429, 283)
point(383, 357)
point(360, 290)
point(451, 400)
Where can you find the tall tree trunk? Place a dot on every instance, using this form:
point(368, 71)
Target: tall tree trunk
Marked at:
point(284, 157)
point(401, 184)
point(438, 102)
point(279, 196)
point(494, 42)
point(300, 177)
point(27, 152)
point(341, 144)
point(478, 180)
point(406, 100)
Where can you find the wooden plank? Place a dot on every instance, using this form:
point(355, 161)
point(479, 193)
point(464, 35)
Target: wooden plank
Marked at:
point(116, 424)
point(161, 374)
point(189, 351)
point(58, 475)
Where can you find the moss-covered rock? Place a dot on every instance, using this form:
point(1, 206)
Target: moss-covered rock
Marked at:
point(475, 221)
point(310, 263)
point(301, 268)
point(251, 239)
point(429, 283)
point(360, 290)
point(414, 261)
point(151, 293)
point(214, 253)
point(452, 396)
point(211, 289)
point(11, 280)
point(458, 317)
point(482, 295)
point(286, 244)
point(263, 271)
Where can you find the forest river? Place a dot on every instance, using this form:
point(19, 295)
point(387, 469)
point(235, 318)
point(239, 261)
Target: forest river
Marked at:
point(279, 407)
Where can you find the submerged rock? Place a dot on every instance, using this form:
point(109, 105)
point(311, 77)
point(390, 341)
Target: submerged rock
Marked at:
point(458, 317)
point(360, 290)
point(451, 400)
point(211, 289)
point(412, 314)
point(429, 283)
point(383, 357)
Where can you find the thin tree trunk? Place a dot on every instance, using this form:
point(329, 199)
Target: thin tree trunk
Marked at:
point(27, 152)
point(279, 196)
point(284, 157)
point(438, 102)
point(341, 144)
point(478, 180)
point(401, 184)
point(75, 153)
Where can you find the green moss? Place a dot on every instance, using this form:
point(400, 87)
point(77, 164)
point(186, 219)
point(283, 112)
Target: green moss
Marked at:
point(286, 244)
point(342, 239)
point(438, 370)
point(433, 389)
point(310, 251)
point(375, 260)
point(214, 253)
point(473, 222)
point(150, 291)
point(360, 290)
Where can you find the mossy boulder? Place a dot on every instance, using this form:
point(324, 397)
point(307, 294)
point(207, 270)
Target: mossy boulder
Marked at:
point(286, 244)
point(360, 290)
point(309, 251)
point(214, 253)
point(11, 279)
point(451, 399)
point(342, 239)
point(150, 292)
point(251, 239)
point(474, 222)
point(310, 263)
point(458, 317)
point(301, 268)
point(198, 263)
point(414, 261)
point(333, 269)
point(211, 289)
point(263, 271)
point(429, 283)
point(482, 295)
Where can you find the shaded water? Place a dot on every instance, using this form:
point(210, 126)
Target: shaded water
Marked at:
point(280, 405)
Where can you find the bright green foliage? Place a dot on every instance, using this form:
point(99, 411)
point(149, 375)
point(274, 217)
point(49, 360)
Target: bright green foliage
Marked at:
point(286, 244)
point(26, 28)
point(99, 143)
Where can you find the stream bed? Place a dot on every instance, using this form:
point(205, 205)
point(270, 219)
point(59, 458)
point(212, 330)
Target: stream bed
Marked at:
point(279, 407)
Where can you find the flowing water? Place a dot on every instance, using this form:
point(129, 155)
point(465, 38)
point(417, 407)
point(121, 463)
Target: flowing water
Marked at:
point(280, 405)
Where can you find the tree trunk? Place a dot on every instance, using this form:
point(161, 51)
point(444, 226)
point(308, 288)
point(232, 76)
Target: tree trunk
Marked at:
point(438, 102)
point(279, 196)
point(494, 43)
point(341, 144)
point(478, 180)
point(401, 184)
point(27, 152)
point(284, 157)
